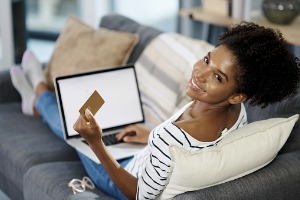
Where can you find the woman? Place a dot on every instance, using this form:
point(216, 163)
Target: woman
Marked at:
point(249, 63)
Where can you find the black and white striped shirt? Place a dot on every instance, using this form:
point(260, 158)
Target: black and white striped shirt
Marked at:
point(153, 164)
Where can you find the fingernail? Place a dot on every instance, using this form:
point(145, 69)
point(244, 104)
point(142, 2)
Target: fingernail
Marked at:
point(88, 112)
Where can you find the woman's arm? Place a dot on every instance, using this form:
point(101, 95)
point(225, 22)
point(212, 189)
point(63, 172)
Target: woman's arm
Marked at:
point(92, 133)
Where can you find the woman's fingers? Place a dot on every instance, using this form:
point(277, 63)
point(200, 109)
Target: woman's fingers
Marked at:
point(88, 128)
point(131, 137)
point(80, 124)
point(125, 131)
point(134, 133)
point(89, 116)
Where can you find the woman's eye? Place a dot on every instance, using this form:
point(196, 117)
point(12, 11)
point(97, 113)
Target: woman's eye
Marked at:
point(206, 59)
point(218, 77)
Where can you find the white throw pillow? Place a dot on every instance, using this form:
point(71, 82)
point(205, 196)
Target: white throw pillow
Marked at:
point(240, 153)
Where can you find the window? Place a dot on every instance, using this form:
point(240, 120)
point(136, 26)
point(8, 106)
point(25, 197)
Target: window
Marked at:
point(156, 13)
point(45, 18)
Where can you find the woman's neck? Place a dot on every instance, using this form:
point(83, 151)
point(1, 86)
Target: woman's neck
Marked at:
point(198, 108)
point(205, 122)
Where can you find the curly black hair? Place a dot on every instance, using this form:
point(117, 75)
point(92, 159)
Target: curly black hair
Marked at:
point(267, 71)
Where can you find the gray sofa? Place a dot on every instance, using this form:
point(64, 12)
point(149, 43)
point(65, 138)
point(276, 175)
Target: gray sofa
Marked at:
point(35, 164)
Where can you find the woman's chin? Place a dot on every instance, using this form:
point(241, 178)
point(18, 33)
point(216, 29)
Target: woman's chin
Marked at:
point(191, 93)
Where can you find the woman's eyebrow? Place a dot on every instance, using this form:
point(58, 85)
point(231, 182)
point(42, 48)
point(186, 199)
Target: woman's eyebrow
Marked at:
point(223, 74)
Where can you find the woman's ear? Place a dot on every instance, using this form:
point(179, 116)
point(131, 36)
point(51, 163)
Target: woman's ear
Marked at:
point(237, 98)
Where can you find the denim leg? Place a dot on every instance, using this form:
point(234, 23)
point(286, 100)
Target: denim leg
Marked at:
point(47, 106)
point(100, 178)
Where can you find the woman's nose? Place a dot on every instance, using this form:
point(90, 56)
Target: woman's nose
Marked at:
point(201, 72)
point(200, 76)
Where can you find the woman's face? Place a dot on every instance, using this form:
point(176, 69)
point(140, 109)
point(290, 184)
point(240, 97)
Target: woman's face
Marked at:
point(212, 80)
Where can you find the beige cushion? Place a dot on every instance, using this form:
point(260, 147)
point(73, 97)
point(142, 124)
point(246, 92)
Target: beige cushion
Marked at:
point(163, 70)
point(81, 48)
point(242, 152)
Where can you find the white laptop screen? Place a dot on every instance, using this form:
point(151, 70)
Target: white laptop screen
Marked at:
point(117, 86)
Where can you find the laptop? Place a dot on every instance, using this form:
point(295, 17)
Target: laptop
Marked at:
point(118, 87)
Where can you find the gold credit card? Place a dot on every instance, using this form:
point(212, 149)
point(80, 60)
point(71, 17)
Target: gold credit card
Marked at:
point(94, 103)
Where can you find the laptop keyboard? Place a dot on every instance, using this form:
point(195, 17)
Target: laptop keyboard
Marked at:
point(109, 139)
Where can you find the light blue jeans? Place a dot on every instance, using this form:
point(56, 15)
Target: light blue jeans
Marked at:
point(47, 106)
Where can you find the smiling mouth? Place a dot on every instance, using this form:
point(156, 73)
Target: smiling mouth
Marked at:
point(196, 86)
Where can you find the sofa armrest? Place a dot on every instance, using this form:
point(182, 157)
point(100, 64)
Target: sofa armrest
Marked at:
point(7, 91)
point(278, 180)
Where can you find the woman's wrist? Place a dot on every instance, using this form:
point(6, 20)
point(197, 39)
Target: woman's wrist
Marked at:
point(96, 143)
point(98, 147)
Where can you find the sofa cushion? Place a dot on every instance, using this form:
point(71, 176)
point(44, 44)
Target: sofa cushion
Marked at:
point(81, 48)
point(163, 70)
point(50, 181)
point(244, 151)
point(118, 22)
point(24, 142)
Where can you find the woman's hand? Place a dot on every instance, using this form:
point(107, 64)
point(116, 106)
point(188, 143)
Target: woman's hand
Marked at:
point(137, 133)
point(88, 128)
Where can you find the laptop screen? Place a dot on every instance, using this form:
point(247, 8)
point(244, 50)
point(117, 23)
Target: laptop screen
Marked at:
point(117, 86)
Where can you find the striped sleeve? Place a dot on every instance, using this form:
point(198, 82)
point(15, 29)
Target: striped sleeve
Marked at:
point(153, 178)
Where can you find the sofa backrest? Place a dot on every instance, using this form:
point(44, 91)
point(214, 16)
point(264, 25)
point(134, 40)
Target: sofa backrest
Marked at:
point(285, 108)
point(121, 23)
